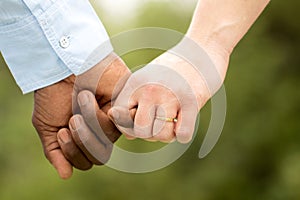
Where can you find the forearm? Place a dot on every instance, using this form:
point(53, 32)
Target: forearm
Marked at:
point(217, 26)
point(51, 40)
point(222, 23)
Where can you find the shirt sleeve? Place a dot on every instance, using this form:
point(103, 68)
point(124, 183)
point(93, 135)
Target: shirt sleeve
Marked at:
point(44, 42)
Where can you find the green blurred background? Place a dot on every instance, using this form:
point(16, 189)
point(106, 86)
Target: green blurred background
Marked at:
point(257, 156)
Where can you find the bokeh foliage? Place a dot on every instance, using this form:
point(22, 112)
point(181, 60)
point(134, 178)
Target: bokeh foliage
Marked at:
point(257, 157)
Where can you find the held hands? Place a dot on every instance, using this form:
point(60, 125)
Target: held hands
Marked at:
point(158, 103)
point(52, 115)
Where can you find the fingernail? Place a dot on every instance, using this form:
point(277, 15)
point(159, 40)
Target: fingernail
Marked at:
point(83, 99)
point(75, 123)
point(64, 137)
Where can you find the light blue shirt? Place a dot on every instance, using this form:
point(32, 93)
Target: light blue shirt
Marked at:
point(45, 41)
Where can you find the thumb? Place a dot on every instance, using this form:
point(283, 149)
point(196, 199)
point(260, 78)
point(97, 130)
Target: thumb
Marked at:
point(124, 120)
point(60, 163)
point(185, 127)
point(122, 116)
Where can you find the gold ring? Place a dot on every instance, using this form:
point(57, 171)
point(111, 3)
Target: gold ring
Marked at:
point(167, 119)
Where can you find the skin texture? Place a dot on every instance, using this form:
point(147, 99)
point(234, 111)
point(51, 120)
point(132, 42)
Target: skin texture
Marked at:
point(152, 100)
point(221, 24)
point(52, 115)
point(217, 27)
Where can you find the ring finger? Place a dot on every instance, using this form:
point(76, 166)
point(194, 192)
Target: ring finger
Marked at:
point(164, 123)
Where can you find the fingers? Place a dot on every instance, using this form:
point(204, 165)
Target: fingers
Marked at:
point(135, 123)
point(145, 98)
point(185, 126)
point(71, 151)
point(123, 119)
point(164, 131)
point(96, 119)
point(60, 163)
point(93, 148)
point(122, 116)
point(144, 124)
point(54, 153)
point(143, 121)
point(88, 108)
point(94, 140)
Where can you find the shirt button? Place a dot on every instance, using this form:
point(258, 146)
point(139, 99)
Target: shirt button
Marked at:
point(64, 42)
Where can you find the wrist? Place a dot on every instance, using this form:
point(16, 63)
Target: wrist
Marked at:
point(218, 54)
point(221, 24)
point(215, 38)
point(214, 41)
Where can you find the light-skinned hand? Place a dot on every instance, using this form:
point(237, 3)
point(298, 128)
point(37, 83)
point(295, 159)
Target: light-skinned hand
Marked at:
point(168, 88)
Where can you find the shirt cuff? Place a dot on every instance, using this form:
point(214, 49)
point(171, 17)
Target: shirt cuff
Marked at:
point(54, 41)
